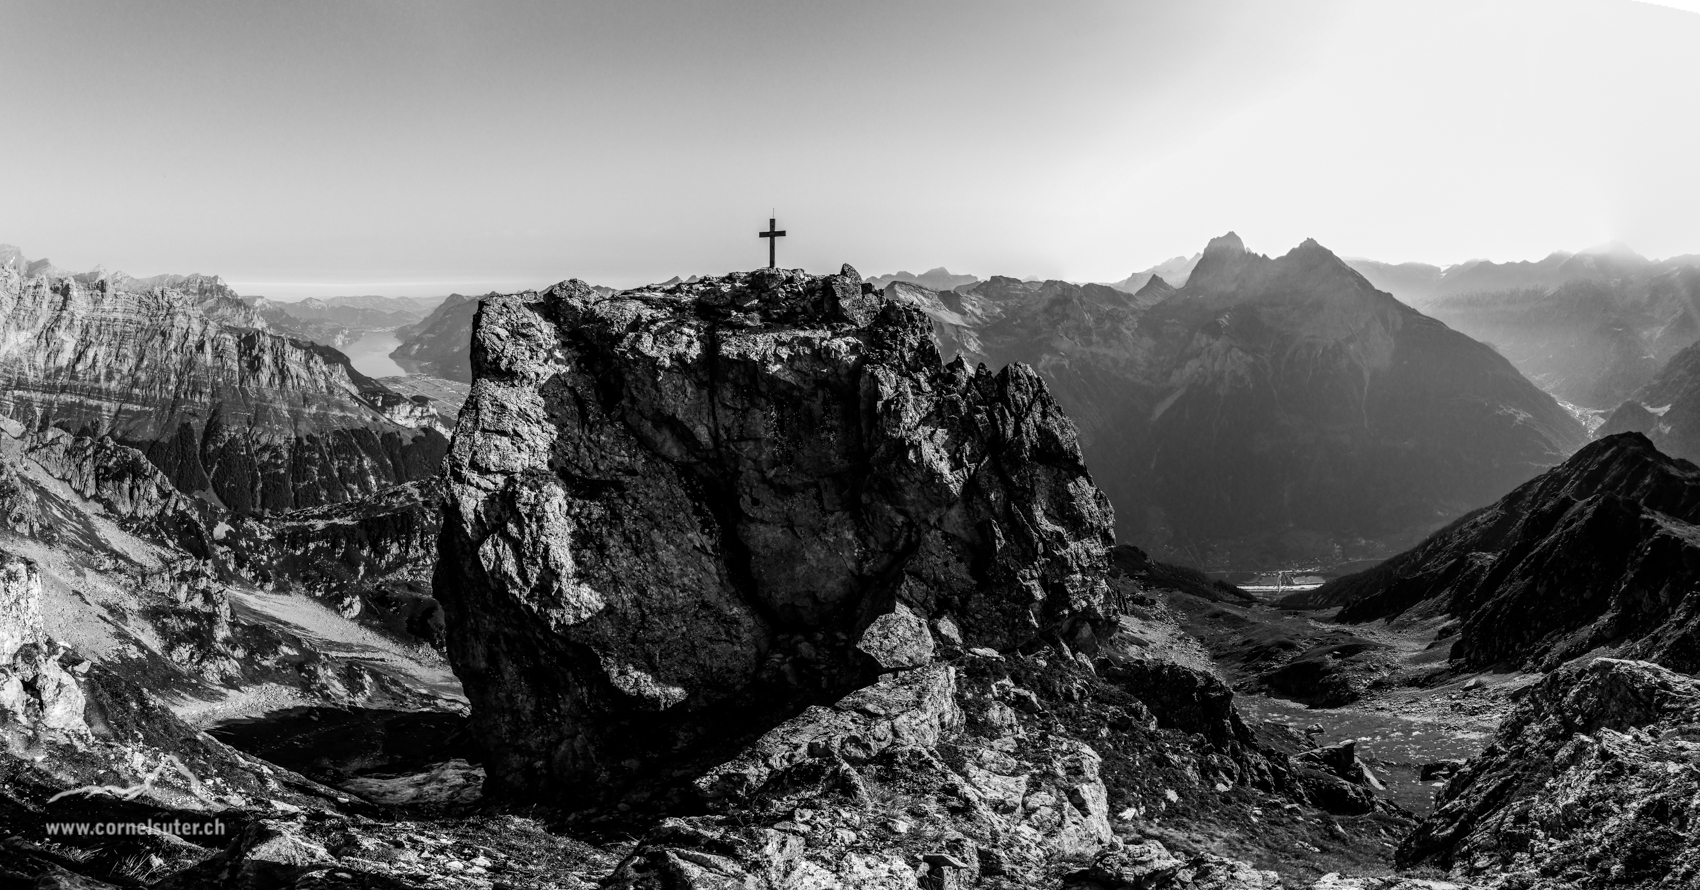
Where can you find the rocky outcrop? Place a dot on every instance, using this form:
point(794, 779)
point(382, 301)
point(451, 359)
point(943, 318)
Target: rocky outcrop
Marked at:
point(231, 413)
point(117, 477)
point(1589, 782)
point(391, 532)
point(371, 558)
point(1603, 550)
point(677, 517)
point(441, 344)
point(990, 771)
point(1270, 409)
point(128, 486)
point(20, 508)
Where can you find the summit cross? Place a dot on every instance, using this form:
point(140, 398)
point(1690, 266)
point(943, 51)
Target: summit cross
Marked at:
point(772, 235)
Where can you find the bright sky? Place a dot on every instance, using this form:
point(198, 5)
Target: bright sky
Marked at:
point(420, 147)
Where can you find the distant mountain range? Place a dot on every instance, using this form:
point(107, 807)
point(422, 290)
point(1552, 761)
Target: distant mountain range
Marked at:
point(339, 321)
point(1270, 409)
point(933, 279)
point(1173, 271)
point(1588, 327)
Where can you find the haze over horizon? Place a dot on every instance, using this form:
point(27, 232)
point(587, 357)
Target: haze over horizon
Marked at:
point(418, 148)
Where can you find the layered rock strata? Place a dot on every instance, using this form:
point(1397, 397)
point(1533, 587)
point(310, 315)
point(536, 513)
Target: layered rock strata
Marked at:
point(677, 517)
point(230, 412)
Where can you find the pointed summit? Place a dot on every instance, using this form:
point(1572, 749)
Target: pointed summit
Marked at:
point(1223, 265)
point(1224, 244)
point(1154, 290)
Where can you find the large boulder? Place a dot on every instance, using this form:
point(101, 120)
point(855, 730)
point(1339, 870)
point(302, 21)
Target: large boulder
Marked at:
point(1590, 782)
point(677, 517)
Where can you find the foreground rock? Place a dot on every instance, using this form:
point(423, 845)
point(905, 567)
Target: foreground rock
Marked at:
point(1602, 551)
point(677, 517)
point(1590, 782)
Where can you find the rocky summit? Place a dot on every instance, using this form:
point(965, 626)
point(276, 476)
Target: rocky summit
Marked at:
point(1600, 551)
point(182, 370)
point(677, 517)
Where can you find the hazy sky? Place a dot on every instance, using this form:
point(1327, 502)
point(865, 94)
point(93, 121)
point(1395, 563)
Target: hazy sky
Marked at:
point(420, 147)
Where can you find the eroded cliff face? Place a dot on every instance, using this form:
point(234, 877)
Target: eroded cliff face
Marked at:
point(676, 517)
point(251, 420)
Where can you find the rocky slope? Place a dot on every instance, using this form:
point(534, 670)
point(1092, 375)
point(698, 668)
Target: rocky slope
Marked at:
point(1271, 409)
point(440, 345)
point(1667, 408)
point(1601, 551)
point(1589, 783)
point(372, 558)
point(243, 418)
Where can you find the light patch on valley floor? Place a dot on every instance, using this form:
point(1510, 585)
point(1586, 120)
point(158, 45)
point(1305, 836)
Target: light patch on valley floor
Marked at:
point(347, 640)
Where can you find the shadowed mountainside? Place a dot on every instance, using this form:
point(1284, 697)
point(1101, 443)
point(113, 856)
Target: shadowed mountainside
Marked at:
point(1601, 551)
point(1271, 408)
point(441, 344)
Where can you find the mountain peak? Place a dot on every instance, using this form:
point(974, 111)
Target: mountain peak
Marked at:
point(1224, 265)
point(1155, 289)
point(1228, 244)
point(1616, 249)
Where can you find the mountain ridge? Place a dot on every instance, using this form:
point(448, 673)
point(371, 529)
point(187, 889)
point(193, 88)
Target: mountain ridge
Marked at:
point(1600, 551)
point(1325, 374)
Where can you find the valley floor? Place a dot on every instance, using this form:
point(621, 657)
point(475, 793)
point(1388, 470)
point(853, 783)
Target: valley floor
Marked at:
point(1385, 685)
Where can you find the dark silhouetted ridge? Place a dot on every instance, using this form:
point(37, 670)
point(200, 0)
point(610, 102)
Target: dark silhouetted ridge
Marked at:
point(1600, 551)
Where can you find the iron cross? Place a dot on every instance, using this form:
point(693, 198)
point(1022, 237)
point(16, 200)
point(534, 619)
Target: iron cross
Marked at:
point(772, 235)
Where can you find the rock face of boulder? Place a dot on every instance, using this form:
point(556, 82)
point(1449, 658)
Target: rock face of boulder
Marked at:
point(677, 517)
point(1603, 550)
point(182, 370)
point(1590, 782)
